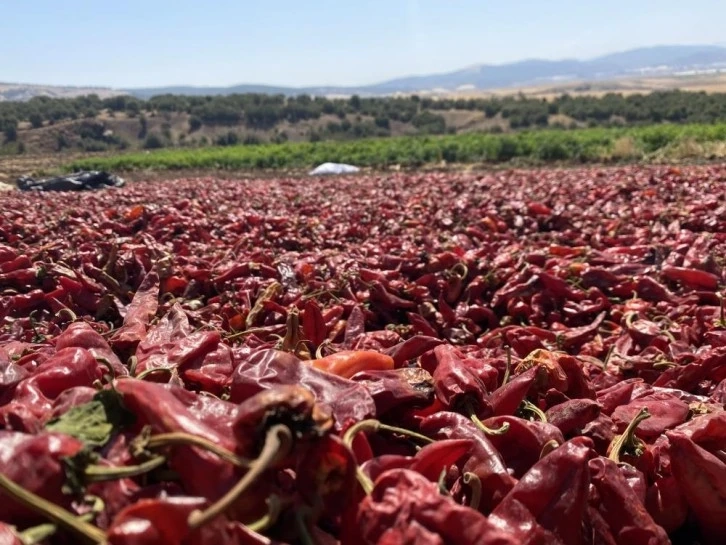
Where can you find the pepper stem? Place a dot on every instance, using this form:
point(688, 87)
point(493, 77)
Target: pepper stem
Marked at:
point(97, 473)
point(607, 357)
point(508, 368)
point(38, 534)
point(274, 508)
point(479, 424)
point(181, 438)
point(628, 438)
point(528, 406)
point(278, 443)
point(58, 515)
point(474, 483)
point(489, 431)
point(441, 483)
point(301, 526)
point(548, 447)
point(373, 426)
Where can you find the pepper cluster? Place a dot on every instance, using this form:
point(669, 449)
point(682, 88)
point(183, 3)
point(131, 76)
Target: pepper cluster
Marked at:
point(521, 357)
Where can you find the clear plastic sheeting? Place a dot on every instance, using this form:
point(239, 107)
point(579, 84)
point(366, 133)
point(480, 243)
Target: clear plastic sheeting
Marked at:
point(333, 168)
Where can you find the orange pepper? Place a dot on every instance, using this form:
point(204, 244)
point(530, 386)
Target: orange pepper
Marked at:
point(349, 362)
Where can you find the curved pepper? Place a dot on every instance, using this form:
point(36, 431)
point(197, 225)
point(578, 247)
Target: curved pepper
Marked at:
point(349, 362)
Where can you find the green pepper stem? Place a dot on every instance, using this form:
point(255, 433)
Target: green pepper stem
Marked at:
point(508, 368)
point(274, 508)
point(38, 534)
point(181, 438)
point(441, 483)
point(60, 516)
point(66, 310)
point(534, 409)
point(469, 407)
point(489, 431)
point(607, 357)
point(475, 484)
point(97, 473)
point(373, 426)
point(628, 438)
point(301, 526)
point(278, 443)
point(548, 447)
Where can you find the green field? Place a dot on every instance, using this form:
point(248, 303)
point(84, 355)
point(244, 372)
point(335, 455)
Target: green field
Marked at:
point(665, 141)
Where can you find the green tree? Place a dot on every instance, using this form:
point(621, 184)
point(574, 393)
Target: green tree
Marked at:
point(36, 120)
point(195, 123)
point(153, 141)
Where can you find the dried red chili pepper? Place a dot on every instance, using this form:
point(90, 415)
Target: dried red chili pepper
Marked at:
point(554, 491)
point(573, 414)
point(347, 363)
point(484, 459)
point(35, 462)
point(620, 507)
point(405, 507)
point(407, 388)
point(265, 369)
point(702, 477)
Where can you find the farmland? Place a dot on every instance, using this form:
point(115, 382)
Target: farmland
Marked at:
point(537, 354)
point(650, 143)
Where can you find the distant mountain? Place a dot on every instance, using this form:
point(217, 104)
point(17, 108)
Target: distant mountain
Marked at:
point(660, 60)
point(21, 92)
point(648, 61)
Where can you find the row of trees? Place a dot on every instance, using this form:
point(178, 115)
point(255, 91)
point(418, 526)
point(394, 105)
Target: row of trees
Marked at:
point(259, 111)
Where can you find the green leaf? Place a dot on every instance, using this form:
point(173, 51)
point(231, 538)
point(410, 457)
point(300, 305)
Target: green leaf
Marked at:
point(94, 422)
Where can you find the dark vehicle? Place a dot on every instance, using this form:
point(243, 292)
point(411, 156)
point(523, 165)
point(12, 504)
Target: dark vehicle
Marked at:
point(79, 181)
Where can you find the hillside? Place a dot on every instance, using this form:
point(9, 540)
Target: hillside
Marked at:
point(91, 124)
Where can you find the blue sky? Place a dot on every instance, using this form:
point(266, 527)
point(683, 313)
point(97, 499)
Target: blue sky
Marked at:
point(132, 43)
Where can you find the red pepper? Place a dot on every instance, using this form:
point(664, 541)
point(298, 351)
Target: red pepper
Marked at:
point(398, 388)
point(155, 405)
point(666, 411)
point(692, 278)
point(142, 309)
point(522, 444)
point(35, 462)
point(264, 369)
point(405, 507)
point(702, 479)
point(484, 460)
point(573, 414)
point(554, 491)
point(8, 535)
point(82, 335)
point(347, 363)
point(459, 380)
point(667, 504)
point(620, 507)
point(164, 522)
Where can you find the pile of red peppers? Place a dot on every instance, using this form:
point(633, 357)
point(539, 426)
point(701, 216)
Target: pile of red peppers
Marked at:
point(515, 357)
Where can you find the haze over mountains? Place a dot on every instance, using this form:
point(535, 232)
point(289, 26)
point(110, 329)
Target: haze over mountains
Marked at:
point(671, 60)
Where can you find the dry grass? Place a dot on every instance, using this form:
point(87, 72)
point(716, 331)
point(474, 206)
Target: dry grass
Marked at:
point(624, 149)
point(711, 83)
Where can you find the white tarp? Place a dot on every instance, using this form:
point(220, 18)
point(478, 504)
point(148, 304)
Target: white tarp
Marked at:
point(333, 168)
